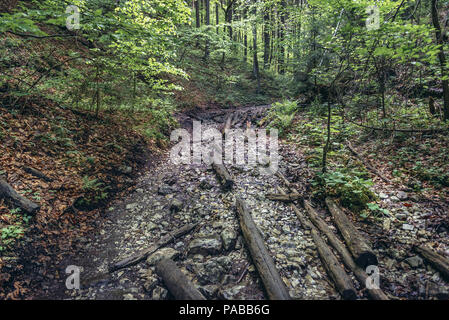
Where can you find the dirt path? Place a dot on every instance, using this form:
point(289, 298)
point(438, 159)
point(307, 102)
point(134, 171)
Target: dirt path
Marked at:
point(216, 265)
point(214, 256)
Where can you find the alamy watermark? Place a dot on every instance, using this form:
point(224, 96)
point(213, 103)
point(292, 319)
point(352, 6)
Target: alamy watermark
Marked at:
point(73, 20)
point(72, 282)
point(250, 148)
point(373, 280)
point(373, 20)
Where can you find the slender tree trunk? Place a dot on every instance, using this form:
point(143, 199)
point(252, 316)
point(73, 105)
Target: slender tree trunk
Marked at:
point(266, 40)
point(441, 56)
point(255, 56)
point(328, 141)
point(283, 15)
point(245, 36)
point(207, 47)
point(217, 17)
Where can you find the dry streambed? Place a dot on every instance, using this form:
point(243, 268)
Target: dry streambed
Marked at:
point(214, 255)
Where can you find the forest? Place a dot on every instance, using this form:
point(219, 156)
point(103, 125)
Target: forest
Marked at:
point(224, 150)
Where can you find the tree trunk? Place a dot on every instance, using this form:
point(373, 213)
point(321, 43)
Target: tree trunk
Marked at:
point(136, 258)
point(441, 57)
point(7, 192)
point(361, 251)
point(255, 55)
point(266, 39)
point(440, 262)
point(207, 47)
point(342, 281)
point(375, 293)
point(176, 282)
point(274, 286)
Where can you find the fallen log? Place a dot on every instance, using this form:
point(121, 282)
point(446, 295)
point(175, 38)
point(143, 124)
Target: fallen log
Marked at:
point(336, 272)
point(176, 281)
point(367, 165)
point(342, 281)
point(37, 174)
point(283, 197)
point(358, 246)
point(7, 192)
point(440, 262)
point(168, 238)
point(225, 177)
point(274, 286)
point(376, 294)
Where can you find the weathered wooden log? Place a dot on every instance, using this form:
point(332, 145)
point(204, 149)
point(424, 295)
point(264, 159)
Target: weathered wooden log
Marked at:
point(7, 192)
point(336, 272)
point(225, 177)
point(366, 164)
point(440, 262)
point(290, 197)
point(176, 281)
point(37, 173)
point(358, 246)
point(168, 238)
point(374, 293)
point(342, 281)
point(274, 286)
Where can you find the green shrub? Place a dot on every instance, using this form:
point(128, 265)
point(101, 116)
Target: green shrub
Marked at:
point(353, 191)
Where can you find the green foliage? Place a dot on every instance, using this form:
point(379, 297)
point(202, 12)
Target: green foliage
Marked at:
point(281, 116)
point(353, 191)
point(95, 190)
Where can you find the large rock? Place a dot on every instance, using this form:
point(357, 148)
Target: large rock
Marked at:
point(163, 253)
point(414, 262)
point(213, 271)
point(205, 246)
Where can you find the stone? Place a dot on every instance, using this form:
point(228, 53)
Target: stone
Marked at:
point(228, 237)
point(211, 272)
point(209, 291)
point(414, 262)
point(165, 190)
point(205, 246)
point(126, 169)
point(150, 284)
point(132, 206)
point(383, 196)
point(402, 195)
point(231, 293)
point(170, 180)
point(407, 227)
point(394, 199)
point(387, 224)
point(150, 226)
point(160, 293)
point(176, 205)
point(168, 253)
point(205, 185)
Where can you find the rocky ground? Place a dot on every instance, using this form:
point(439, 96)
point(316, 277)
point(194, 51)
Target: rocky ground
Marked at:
point(214, 256)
